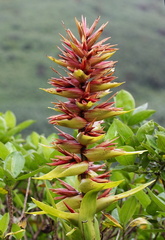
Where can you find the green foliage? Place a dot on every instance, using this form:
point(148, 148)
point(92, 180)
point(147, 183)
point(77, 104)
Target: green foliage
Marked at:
point(4, 221)
point(22, 159)
point(136, 132)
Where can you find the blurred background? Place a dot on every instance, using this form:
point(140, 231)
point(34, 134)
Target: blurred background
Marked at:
point(29, 31)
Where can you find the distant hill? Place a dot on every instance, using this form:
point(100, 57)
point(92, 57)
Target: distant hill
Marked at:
point(29, 31)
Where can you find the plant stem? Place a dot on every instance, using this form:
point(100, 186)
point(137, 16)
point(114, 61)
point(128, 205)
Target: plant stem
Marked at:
point(26, 197)
point(10, 208)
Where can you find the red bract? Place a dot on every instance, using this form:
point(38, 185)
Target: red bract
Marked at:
point(68, 191)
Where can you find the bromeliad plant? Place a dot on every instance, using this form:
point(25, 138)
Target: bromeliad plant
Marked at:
point(88, 78)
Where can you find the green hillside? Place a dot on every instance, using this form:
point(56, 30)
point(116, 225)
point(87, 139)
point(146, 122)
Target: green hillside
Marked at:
point(29, 31)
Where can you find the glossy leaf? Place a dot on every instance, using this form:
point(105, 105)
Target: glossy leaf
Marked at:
point(126, 101)
point(32, 173)
point(3, 151)
point(127, 210)
point(146, 128)
point(3, 127)
point(17, 129)
point(126, 168)
point(141, 108)
point(16, 231)
point(18, 199)
point(49, 196)
point(4, 221)
point(159, 202)
point(143, 198)
point(124, 131)
point(140, 116)
point(113, 133)
point(14, 163)
point(10, 119)
point(47, 151)
point(151, 142)
point(161, 142)
point(128, 159)
point(152, 209)
point(8, 178)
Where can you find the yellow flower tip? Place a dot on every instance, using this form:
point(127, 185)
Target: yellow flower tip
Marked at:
point(60, 62)
point(86, 140)
point(84, 106)
point(133, 152)
point(44, 89)
point(80, 75)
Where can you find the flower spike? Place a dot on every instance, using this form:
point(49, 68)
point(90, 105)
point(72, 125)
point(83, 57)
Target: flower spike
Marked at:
point(88, 77)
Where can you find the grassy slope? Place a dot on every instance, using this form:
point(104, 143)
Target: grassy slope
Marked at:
point(29, 31)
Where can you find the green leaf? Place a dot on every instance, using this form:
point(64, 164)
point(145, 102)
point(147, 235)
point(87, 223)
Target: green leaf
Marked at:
point(151, 141)
point(47, 151)
point(14, 163)
point(124, 131)
point(126, 101)
point(17, 129)
point(18, 199)
point(35, 138)
point(31, 174)
point(4, 221)
point(2, 173)
point(10, 119)
point(145, 129)
point(161, 142)
point(8, 178)
point(152, 209)
point(49, 195)
point(127, 160)
point(113, 133)
point(3, 127)
point(140, 116)
point(126, 168)
point(17, 231)
point(127, 210)
point(159, 202)
point(141, 108)
point(3, 151)
point(72, 217)
point(143, 198)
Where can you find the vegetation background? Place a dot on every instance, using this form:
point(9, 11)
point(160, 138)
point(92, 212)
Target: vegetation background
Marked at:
point(29, 31)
